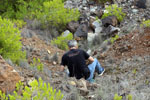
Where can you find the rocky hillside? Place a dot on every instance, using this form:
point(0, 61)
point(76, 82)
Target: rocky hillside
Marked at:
point(125, 57)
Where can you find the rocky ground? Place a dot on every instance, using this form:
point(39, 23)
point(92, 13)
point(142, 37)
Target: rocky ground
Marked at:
point(126, 60)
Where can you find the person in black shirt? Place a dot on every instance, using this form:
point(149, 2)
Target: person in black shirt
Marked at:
point(75, 60)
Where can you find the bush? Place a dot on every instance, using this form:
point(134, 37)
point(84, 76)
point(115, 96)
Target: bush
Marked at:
point(146, 23)
point(116, 97)
point(61, 41)
point(10, 44)
point(19, 9)
point(14, 9)
point(37, 63)
point(128, 97)
point(53, 13)
point(114, 10)
point(37, 91)
point(103, 1)
point(19, 23)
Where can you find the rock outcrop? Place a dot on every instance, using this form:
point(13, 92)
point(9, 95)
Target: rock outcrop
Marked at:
point(8, 77)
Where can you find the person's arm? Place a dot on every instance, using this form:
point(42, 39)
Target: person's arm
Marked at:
point(62, 68)
point(91, 59)
point(63, 63)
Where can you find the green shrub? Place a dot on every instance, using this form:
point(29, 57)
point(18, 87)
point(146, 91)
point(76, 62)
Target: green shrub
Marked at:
point(37, 63)
point(14, 9)
point(146, 23)
point(61, 41)
point(128, 97)
point(19, 23)
point(19, 9)
point(114, 10)
point(53, 13)
point(50, 13)
point(103, 1)
point(37, 91)
point(113, 39)
point(10, 44)
point(116, 97)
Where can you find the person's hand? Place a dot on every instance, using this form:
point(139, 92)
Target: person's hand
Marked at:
point(62, 68)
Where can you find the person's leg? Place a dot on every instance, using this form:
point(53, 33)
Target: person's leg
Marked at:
point(99, 68)
point(95, 66)
point(92, 70)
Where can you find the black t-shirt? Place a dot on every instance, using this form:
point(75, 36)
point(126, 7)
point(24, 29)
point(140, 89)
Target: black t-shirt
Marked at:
point(75, 59)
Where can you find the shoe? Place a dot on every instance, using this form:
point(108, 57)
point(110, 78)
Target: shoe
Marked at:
point(102, 72)
point(92, 81)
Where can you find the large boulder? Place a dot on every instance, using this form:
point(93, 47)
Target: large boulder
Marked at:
point(72, 26)
point(82, 31)
point(148, 3)
point(110, 20)
point(141, 3)
point(110, 31)
point(8, 77)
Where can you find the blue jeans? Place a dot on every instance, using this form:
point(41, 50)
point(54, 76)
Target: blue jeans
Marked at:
point(95, 66)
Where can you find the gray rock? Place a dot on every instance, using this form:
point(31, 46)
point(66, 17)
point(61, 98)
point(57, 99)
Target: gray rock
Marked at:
point(9, 62)
point(47, 57)
point(27, 33)
point(91, 37)
point(93, 10)
point(55, 57)
point(89, 51)
point(141, 4)
point(135, 10)
point(24, 64)
point(110, 20)
point(81, 31)
point(148, 3)
point(47, 71)
point(66, 33)
point(114, 29)
point(28, 54)
point(72, 26)
point(97, 23)
point(98, 29)
point(110, 31)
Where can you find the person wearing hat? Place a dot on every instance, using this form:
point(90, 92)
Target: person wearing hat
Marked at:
point(75, 60)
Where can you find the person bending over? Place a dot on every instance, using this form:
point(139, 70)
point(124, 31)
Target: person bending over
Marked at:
point(75, 60)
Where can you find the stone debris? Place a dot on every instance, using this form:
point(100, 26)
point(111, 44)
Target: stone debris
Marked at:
point(8, 77)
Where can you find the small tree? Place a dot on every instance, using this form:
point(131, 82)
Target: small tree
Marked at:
point(114, 10)
point(10, 44)
point(61, 41)
point(53, 13)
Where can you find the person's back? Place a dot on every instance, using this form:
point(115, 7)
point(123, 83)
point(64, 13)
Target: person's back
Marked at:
point(75, 59)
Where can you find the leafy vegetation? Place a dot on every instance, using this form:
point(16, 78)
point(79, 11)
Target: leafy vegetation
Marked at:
point(113, 39)
point(18, 9)
point(114, 10)
point(116, 97)
point(129, 97)
point(48, 12)
point(37, 63)
point(61, 41)
point(103, 1)
point(146, 23)
point(10, 44)
point(37, 91)
point(19, 23)
point(53, 13)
